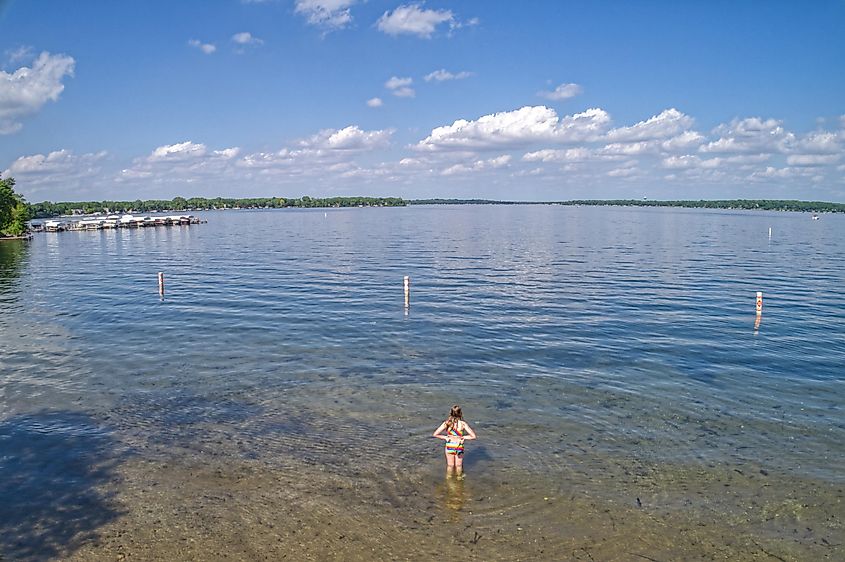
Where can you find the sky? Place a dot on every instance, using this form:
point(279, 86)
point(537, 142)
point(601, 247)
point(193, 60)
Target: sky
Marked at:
point(524, 101)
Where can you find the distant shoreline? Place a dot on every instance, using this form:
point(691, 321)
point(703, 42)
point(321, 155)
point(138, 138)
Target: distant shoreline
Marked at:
point(48, 209)
point(727, 204)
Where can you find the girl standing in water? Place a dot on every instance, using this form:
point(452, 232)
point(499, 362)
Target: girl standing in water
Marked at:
point(454, 431)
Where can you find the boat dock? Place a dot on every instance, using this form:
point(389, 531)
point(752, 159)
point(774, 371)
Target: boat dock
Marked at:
point(115, 221)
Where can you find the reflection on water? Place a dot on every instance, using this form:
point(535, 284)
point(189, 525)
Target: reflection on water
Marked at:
point(14, 255)
point(453, 495)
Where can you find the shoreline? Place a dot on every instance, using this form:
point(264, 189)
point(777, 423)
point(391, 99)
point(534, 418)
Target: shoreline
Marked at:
point(220, 204)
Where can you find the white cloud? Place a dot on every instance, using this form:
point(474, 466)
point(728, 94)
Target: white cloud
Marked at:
point(134, 174)
point(812, 159)
point(179, 163)
point(550, 155)
point(246, 38)
point(820, 142)
point(206, 48)
point(412, 19)
point(770, 172)
point(227, 153)
point(681, 162)
point(749, 135)
point(443, 74)
point(324, 151)
point(400, 87)
point(27, 89)
point(54, 161)
point(562, 92)
point(630, 149)
point(266, 159)
point(327, 14)
point(689, 161)
point(743, 159)
point(667, 124)
point(396, 82)
point(624, 172)
point(367, 174)
point(516, 128)
point(478, 166)
point(60, 168)
point(348, 138)
point(685, 141)
point(499, 161)
point(374, 102)
point(177, 152)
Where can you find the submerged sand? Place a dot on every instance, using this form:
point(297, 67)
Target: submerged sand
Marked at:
point(203, 506)
point(343, 484)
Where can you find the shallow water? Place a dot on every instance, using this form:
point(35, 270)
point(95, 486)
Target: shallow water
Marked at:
point(608, 356)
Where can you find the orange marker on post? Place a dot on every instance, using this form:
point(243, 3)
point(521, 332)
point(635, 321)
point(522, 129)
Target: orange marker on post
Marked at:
point(759, 303)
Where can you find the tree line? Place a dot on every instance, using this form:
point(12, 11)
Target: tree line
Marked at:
point(743, 204)
point(49, 209)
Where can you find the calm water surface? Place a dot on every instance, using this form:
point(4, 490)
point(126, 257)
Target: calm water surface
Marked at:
point(614, 333)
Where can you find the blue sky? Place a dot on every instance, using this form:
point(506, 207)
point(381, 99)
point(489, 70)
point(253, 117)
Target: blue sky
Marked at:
point(505, 100)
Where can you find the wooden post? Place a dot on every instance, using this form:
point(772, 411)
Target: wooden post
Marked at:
point(407, 283)
point(759, 303)
point(161, 283)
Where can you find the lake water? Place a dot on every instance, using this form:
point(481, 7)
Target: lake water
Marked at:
point(628, 401)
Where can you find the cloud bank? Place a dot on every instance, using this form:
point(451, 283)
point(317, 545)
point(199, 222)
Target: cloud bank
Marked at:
point(531, 147)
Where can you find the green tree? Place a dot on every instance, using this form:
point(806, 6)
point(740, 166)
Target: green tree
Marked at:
point(14, 212)
point(20, 216)
point(7, 201)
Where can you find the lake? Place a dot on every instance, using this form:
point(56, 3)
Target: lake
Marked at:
point(279, 399)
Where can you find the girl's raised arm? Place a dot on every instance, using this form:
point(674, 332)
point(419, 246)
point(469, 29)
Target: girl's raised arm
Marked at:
point(470, 433)
point(437, 432)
